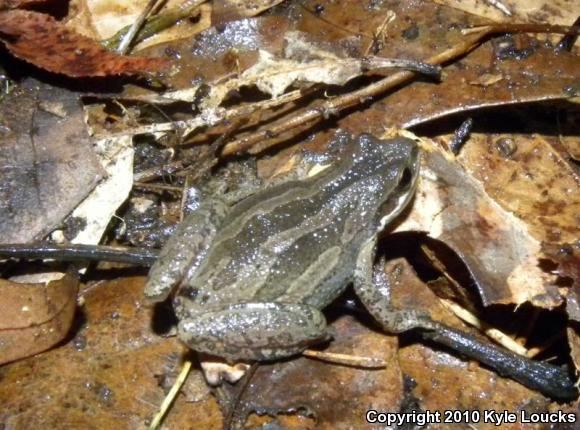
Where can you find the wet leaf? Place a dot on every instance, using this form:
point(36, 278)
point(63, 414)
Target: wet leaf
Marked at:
point(48, 164)
point(113, 374)
point(506, 70)
point(301, 64)
point(35, 317)
point(47, 43)
point(229, 10)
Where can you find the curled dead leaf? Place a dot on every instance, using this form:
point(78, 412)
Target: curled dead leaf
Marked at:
point(34, 317)
point(498, 248)
point(45, 42)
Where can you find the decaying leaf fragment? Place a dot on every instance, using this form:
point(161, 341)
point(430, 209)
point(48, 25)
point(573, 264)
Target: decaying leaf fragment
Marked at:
point(34, 317)
point(43, 41)
point(301, 63)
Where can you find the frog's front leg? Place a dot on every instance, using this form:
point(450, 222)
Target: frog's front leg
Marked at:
point(253, 331)
point(185, 249)
point(553, 381)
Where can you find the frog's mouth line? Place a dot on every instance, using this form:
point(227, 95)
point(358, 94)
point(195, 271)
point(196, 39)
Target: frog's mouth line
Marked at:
point(402, 194)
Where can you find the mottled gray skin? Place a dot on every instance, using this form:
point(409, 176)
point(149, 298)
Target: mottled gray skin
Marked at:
point(253, 277)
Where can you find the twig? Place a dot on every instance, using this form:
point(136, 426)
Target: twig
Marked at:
point(493, 333)
point(568, 40)
point(158, 171)
point(158, 187)
point(79, 252)
point(135, 27)
point(313, 115)
point(187, 126)
point(154, 24)
point(525, 28)
point(346, 359)
point(380, 33)
point(156, 422)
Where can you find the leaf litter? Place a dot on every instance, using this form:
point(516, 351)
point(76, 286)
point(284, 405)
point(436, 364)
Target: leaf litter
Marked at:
point(484, 204)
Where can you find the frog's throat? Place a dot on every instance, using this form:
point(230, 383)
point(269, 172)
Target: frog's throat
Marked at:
point(402, 196)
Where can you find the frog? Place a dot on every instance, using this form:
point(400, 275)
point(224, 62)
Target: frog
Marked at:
point(253, 278)
point(250, 276)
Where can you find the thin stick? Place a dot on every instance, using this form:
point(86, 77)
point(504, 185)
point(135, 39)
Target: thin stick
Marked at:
point(493, 333)
point(158, 187)
point(527, 28)
point(346, 359)
point(171, 395)
point(158, 171)
point(191, 124)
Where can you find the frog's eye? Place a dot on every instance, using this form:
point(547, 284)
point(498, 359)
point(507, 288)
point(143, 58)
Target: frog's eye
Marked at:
point(407, 179)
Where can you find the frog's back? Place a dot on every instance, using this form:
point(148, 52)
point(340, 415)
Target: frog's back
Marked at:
point(297, 242)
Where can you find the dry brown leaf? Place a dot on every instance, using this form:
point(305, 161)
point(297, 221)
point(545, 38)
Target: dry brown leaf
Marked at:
point(45, 42)
point(540, 11)
point(498, 248)
point(13, 4)
point(35, 317)
point(529, 178)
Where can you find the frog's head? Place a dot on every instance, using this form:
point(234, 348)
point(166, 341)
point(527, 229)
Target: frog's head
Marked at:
point(400, 161)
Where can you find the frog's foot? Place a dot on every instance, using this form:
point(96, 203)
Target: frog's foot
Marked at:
point(551, 380)
point(254, 331)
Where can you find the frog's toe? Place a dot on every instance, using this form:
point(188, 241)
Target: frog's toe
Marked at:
point(255, 331)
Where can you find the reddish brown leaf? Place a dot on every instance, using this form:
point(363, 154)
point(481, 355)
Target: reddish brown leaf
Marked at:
point(47, 43)
point(13, 4)
point(34, 317)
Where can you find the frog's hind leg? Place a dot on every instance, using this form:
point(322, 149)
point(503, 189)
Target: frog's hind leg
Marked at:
point(377, 300)
point(254, 331)
point(546, 378)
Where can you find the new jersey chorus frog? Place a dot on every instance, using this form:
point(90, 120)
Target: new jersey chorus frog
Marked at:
point(254, 277)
